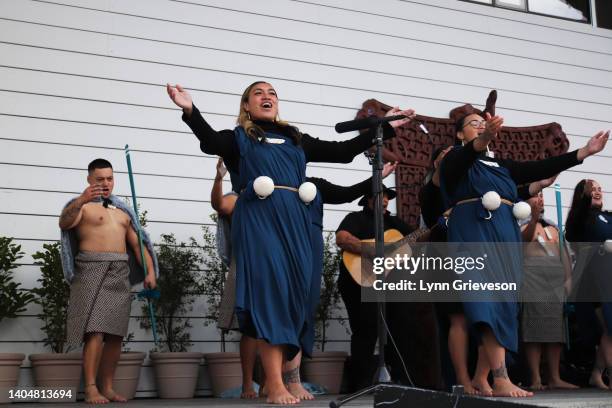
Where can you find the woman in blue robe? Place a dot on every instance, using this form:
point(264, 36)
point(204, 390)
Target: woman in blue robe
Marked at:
point(271, 237)
point(467, 173)
point(587, 227)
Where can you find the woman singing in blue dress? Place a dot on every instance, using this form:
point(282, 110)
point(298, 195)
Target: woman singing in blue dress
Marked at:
point(271, 237)
point(467, 174)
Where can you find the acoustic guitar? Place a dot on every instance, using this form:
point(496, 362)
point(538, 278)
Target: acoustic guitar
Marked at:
point(360, 268)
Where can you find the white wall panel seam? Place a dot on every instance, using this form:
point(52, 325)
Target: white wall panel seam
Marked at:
point(321, 63)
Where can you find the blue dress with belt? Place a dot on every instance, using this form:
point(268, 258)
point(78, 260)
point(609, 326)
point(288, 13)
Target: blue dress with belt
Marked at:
point(273, 260)
point(467, 174)
point(271, 238)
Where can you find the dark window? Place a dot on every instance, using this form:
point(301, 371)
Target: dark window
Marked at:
point(604, 13)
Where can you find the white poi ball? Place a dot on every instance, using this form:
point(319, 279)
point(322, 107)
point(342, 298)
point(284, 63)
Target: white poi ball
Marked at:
point(491, 201)
point(608, 245)
point(521, 210)
point(263, 186)
point(307, 192)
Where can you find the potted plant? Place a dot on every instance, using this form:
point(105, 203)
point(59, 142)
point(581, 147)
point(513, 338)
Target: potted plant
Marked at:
point(176, 370)
point(224, 367)
point(128, 368)
point(59, 369)
point(326, 368)
point(13, 300)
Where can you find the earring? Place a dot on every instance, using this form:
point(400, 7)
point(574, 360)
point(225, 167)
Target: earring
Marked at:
point(249, 115)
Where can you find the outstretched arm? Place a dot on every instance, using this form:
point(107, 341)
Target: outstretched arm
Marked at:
point(527, 172)
point(317, 150)
point(220, 143)
point(335, 194)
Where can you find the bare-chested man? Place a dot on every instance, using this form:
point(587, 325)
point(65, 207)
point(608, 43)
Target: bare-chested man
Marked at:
point(100, 300)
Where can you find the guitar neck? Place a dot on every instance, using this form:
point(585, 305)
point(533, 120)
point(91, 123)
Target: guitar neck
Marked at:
point(410, 238)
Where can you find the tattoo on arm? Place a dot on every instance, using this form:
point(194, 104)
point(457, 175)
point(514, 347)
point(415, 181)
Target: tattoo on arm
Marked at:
point(292, 376)
point(500, 372)
point(70, 214)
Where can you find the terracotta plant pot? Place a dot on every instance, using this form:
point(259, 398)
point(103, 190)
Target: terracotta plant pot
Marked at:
point(9, 373)
point(176, 374)
point(127, 373)
point(57, 370)
point(326, 369)
point(224, 370)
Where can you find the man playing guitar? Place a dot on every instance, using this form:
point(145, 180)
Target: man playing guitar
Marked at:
point(403, 318)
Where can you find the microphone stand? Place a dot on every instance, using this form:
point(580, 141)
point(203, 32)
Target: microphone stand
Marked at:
point(382, 376)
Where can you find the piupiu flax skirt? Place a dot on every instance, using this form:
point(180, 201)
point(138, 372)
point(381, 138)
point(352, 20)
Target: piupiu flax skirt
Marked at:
point(100, 296)
point(542, 319)
point(227, 308)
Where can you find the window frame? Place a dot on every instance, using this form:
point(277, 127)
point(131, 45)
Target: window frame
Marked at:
point(591, 21)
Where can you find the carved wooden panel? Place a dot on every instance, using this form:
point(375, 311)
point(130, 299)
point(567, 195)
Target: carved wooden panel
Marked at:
point(414, 147)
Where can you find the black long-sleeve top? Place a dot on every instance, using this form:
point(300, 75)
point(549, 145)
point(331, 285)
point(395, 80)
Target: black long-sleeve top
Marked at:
point(223, 143)
point(458, 161)
point(335, 194)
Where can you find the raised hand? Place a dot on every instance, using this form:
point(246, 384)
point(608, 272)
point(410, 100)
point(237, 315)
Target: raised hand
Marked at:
point(536, 209)
point(388, 168)
point(92, 192)
point(180, 97)
point(397, 111)
point(221, 170)
point(595, 145)
point(547, 182)
point(492, 127)
point(537, 186)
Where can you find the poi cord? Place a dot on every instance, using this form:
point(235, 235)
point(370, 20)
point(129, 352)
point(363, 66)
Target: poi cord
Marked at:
point(561, 254)
point(144, 293)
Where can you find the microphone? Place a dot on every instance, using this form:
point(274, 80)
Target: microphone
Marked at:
point(370, 122)
point(365, 123)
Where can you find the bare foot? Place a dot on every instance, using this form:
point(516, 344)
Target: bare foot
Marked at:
point(559, 384)
point(93, 396)
point(537, 386)
point(482, 387)
point(505, 388)
point(298, 391)
point(280, 395)
point(112, 396)
point(263, 391)
point(468, 388)
point(597, 381)
point(248, 393)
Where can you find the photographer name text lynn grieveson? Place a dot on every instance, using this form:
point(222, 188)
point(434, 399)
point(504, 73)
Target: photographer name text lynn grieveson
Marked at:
point(456, 285)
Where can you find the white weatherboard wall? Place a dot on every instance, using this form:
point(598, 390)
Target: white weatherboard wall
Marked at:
point(79, 79)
